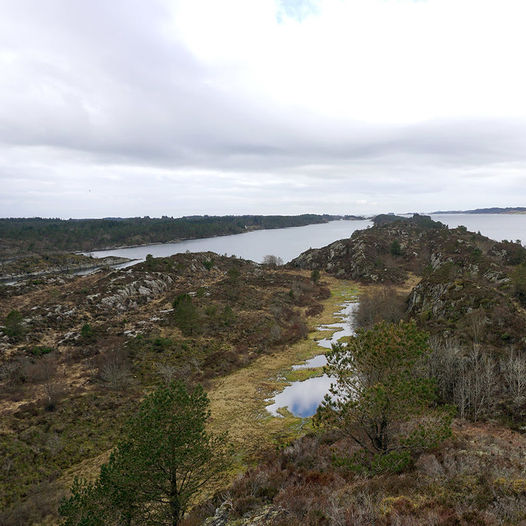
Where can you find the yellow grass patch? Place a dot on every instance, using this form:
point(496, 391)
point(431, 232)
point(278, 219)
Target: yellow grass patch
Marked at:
point(238, 401)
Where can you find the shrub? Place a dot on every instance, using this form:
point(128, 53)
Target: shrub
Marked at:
point(41, 350)
point(395, 248)
point(379, 400)
point(14, 326)
point(87, 333)
point(113, 369)
point(149, 262)
point(228, 317)
point(272, 261)
point(186, 315)
point(161, 344)
point(209, 263)
point(233, 274)
point(381, 305)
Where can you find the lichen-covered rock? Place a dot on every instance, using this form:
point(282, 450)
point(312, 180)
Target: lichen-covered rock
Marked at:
point(263, 516)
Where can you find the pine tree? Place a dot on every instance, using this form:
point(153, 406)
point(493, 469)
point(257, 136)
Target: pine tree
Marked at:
point(380, 400)
point(166, 457)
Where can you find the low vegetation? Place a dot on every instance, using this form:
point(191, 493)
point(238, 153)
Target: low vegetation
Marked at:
point(423, 425)
point(92, 346)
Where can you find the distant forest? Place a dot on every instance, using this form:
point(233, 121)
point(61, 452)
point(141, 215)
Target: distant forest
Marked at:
point(42, 235)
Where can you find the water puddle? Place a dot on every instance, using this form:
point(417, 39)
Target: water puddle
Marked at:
point(302, 398)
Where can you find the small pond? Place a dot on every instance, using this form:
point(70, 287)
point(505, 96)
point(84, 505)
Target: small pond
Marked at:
point(302, 398)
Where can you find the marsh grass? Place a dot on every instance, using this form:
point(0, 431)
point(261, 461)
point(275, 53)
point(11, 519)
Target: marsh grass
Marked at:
point(238, 401)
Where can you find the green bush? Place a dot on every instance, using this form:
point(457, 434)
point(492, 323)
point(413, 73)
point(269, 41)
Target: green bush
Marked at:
point(87, 333)
point(209, 263)
point(14, 326)
point(161, 344)
point(395, 249)
point(186, 315)
point(380, 400)
point(41, 350)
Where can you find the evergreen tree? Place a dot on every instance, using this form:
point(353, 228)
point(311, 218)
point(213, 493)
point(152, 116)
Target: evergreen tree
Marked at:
point(380, 400)
point(186, 315)
point(14, 326)
point(165, 458)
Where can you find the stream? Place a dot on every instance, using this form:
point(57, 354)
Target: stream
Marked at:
point(302, 398)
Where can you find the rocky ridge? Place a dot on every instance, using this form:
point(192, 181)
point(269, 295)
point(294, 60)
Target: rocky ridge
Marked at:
point(460, 272)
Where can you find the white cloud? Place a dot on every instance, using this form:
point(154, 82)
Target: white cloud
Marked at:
point(199, 106)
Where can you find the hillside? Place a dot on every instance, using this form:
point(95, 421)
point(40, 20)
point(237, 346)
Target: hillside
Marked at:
point(461, 272)
point(79, 352)
point(467, 296)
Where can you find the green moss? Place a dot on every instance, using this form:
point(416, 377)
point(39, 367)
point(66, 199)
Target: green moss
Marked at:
point(299, 375)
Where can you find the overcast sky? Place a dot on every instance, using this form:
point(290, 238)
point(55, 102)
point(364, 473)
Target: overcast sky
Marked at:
point(154, 107)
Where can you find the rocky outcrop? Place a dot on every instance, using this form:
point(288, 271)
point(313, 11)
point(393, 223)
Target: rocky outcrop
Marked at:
point(130, 295)
point(386, 253)
point(265, 515)
point(49, 264)
point(381, 254)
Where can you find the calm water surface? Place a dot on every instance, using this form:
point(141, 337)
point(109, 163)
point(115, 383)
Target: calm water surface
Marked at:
point(287, 243)
point(303, 398)
point(494, 226)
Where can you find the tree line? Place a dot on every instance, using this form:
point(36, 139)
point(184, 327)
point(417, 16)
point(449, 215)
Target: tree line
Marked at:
point(40, 234)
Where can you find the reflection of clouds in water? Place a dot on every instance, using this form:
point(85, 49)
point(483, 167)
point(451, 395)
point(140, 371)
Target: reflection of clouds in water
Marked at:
point(318, 361)
point(302, 398)
point(345, 326)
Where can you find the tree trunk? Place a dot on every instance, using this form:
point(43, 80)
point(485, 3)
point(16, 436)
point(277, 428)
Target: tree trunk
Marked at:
point(175, 504)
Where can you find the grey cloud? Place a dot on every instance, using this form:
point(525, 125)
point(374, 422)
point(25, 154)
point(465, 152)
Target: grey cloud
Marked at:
point(100, 90)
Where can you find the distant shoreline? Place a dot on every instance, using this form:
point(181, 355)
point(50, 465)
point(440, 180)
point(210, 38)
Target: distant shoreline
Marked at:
point(519, 210)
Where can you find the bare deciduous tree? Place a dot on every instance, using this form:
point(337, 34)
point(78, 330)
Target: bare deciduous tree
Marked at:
point(272, 261)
